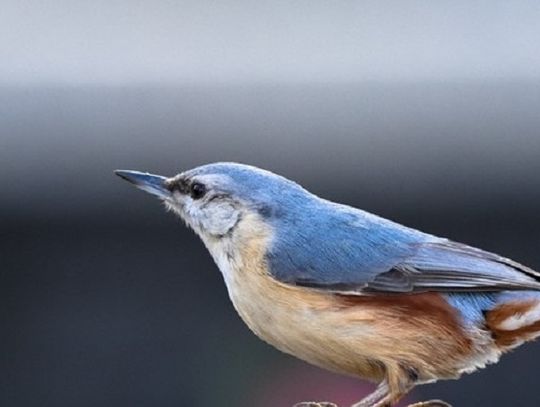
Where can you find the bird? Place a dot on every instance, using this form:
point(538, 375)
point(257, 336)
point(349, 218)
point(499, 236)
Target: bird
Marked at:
point(347, 290)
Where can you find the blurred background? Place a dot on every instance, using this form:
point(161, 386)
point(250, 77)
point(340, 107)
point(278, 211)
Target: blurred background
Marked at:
point(424, 112)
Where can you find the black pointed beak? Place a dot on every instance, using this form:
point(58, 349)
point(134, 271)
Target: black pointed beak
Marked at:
point(153, 184)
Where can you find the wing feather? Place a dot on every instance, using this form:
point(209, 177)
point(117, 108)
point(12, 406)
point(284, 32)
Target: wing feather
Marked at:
point(443, 265)
point(351, 251)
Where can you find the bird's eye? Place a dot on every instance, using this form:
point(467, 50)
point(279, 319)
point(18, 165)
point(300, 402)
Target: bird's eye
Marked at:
point(197, 190)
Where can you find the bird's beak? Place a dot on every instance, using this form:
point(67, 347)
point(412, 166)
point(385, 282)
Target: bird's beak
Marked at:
point(153, 184)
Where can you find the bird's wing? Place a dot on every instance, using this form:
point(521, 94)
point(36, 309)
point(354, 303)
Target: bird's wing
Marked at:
point(393, 260)
point(448, 266)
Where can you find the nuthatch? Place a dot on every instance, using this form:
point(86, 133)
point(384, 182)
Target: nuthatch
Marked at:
point(347, 290)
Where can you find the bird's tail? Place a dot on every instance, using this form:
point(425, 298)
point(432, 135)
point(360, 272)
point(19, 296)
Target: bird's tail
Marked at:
point(515, 319)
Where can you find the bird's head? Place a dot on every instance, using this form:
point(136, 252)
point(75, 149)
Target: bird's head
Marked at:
point(214, 199)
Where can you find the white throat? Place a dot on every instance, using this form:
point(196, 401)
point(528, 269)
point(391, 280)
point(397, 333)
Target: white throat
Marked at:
point(241, 252)
point(225, 255)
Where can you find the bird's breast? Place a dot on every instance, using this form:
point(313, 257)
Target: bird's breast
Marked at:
point(294, 320)
point(299, 322)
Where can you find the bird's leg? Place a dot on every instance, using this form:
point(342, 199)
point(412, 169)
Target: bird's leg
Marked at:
point(400, 379)
point(380, 392)
point(315, 404)
point(430, 403)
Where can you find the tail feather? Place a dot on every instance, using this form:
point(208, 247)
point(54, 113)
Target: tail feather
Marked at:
point(514, 321)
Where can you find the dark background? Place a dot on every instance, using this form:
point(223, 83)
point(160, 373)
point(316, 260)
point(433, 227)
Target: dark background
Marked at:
point(426, 115)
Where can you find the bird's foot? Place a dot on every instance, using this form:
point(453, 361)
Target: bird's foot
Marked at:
point(315, 404)
point(430, 403)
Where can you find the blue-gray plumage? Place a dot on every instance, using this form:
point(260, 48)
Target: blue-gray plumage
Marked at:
point(272, 239)
point(327, 245)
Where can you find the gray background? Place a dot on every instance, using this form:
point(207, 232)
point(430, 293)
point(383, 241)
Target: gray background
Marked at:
point(424, 112)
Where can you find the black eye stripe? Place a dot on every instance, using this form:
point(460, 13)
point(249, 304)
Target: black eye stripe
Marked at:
point(179, 185)
point(217, 197)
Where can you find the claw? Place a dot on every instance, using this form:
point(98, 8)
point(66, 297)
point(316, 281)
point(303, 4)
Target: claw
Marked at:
point(315, 404)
